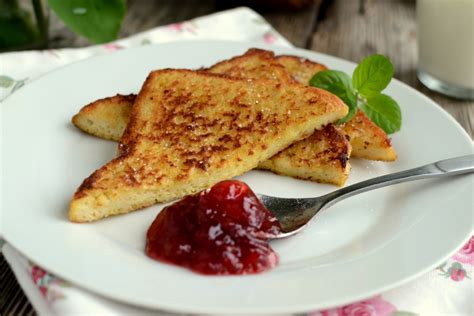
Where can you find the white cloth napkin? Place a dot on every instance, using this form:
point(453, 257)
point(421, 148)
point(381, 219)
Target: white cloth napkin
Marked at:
point(448, 290)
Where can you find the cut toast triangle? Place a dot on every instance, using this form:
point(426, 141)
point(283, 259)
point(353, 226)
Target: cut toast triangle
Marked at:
point(189, 130)
point(330, 163)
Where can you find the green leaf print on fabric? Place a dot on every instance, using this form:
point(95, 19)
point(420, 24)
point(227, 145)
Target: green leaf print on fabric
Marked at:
point(19, 84)
point(10, 85)
point(455, 271)
point(5, 81)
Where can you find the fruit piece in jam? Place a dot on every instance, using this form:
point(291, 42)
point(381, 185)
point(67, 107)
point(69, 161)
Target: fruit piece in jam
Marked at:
point(222, 230)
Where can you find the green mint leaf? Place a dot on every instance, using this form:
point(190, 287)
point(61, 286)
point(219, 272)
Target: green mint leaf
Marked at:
point(6, 81)
point(338, 83)
point(372, 75)
point(334, 81)
point(97, 20)
point(383, 111)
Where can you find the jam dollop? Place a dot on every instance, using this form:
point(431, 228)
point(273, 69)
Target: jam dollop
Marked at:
point(222, 230)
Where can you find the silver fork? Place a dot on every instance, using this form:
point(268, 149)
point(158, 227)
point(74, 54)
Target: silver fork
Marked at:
point(293, 214)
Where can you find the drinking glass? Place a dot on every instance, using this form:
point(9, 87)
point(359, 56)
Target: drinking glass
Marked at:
point(446, 46)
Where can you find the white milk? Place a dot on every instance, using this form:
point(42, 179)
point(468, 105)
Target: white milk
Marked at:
point(446, 42)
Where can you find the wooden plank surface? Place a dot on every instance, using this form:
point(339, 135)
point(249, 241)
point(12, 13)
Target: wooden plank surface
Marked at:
point(12, 299)
point(350, 29)
point(142, 15)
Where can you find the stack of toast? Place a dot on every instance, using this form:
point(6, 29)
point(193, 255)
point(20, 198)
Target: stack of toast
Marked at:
point(189, 129)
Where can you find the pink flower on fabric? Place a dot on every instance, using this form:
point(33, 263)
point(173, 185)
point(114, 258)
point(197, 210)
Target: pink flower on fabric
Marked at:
point(178, 27)
point(46, 283)
point(269, 38)
point(43, 290)
point(112, 47)
point(455, 271)
point(189, 27)
point(375, 306)
point(466, 254)
point(37, 273)
point(457, 274)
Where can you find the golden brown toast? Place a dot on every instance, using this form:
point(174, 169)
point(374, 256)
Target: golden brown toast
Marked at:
point(189, 130)
point(254, 64)
point(260, 64)
point(322, 157)
point(105, 118)
point(300, 69)
point(368, 141)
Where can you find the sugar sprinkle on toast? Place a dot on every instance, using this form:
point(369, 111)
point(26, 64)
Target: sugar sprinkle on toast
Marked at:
point(322, 157)
point(262, 64)
point(188, 130)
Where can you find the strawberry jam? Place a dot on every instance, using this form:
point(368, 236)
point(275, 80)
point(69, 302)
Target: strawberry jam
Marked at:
point(222, 230)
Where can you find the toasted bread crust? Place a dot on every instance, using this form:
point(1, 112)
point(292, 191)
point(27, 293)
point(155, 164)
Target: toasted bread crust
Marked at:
point(322, 157)
point(211, 128)
point(368, 140)
point(300, 69)
point(105, 118)
point(254, 64)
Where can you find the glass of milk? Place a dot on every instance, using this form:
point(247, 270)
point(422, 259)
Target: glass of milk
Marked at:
point(446, 46)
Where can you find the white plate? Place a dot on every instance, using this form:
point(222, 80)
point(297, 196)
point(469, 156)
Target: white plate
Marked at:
point(360, 247)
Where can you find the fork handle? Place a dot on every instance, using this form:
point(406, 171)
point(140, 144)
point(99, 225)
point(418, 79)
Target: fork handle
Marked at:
point(448, 167)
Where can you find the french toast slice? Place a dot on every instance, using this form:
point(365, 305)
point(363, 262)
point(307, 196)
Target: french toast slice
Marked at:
point(105, 118)
point(257, 64)
point(322, 157)
point(189, 130)
point(368, 140)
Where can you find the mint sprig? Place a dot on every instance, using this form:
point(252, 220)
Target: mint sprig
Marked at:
point(383, 111)
point(364, 91)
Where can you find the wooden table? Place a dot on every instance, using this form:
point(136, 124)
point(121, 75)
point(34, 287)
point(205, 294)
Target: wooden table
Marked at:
point(350, 29)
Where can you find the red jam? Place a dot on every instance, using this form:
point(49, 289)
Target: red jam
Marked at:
point(222, 230)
